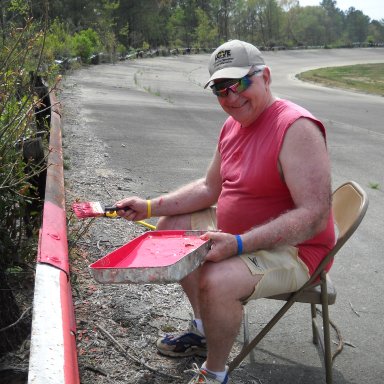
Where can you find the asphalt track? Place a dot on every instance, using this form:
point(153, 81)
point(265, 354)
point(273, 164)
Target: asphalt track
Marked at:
point(158, 128)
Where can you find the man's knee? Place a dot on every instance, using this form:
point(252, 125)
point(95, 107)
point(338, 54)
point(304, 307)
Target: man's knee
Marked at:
point(174, 222)
point(163, 223)
point(211, 281)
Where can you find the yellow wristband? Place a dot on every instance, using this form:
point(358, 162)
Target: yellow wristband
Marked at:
point(149, 213)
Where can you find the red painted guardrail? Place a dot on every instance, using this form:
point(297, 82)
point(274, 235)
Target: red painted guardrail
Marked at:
point(53, 355)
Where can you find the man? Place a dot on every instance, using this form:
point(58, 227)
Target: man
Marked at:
point(267, 191)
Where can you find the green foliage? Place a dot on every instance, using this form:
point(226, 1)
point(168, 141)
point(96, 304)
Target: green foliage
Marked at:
point(373, 185)
point(356, 25)
point(86, 43)
point(206, 33)
point(145, 45)
point(18, 6)
point(86, 27)
point(375, 31)
point(59, 42)
point(176, 27)
point(308, 28)
point(20, 53)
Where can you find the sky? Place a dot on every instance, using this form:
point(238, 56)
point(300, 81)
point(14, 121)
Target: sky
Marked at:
point(372, 8)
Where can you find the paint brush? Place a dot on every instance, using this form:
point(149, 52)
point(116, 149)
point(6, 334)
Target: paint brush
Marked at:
point(89, 209)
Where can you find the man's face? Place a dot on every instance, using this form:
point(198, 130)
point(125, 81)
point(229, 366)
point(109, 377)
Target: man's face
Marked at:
point(247, 106)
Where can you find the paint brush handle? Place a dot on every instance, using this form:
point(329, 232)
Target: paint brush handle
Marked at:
point(145, 224)
point(110, 211)
point(110, 208)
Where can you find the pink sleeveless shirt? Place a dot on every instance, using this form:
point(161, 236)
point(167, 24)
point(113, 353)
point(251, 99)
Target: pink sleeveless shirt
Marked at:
point(252, 190)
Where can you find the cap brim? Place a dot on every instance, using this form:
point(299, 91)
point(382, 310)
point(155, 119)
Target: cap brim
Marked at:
point(229, 73)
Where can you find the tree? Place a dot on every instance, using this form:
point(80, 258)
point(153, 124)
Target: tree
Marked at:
point(224, 8)
point(376, 32)
point(286, 5)
point(247, 28)
point(333, 21)
point(356, 25)
point(106, 27)
point(146, 20)
point(156, 23)
point(290, 22)
point(267, 16)
point(206, 33)
point(309, 28)
point(175, 27)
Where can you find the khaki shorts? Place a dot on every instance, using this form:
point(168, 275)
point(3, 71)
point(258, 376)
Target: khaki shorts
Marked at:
point(282, 269)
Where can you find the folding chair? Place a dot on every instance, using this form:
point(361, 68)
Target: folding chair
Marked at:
point(349, 204)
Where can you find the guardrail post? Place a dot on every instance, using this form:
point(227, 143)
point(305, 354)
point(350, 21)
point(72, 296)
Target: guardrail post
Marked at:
point(53, 356)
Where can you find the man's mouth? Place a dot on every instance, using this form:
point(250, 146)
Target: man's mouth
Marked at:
point(239, 106)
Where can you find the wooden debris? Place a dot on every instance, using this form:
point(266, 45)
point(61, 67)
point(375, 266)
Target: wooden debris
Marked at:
point(354, 311)
point(130, 356)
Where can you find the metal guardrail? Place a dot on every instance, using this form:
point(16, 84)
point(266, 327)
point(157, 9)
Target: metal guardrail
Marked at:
point(53, 355)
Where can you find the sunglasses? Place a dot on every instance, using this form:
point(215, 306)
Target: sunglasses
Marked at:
point(234, 85)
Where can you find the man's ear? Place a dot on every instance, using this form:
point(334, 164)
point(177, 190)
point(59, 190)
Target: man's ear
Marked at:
point(267, 76)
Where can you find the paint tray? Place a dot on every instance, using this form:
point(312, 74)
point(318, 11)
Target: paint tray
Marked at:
point(159, 257)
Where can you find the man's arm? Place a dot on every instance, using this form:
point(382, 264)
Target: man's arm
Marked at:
point(306, 170)
point(199, 194)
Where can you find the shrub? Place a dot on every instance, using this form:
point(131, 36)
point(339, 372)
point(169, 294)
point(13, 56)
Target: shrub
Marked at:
point(86, 43)
point(20, 53)
point(59, 42)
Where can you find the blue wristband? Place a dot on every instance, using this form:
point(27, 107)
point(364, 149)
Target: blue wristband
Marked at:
point(239, 245)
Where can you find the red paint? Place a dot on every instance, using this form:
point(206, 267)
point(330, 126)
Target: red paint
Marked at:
point(53, 248)
point(69, 332)
point(88, 209)
point(153, 249)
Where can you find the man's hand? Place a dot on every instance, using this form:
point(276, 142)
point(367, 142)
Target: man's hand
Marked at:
point(132, 208)
point(224, 245)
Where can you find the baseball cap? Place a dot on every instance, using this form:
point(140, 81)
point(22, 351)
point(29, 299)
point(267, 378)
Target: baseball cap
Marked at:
point(233, 60)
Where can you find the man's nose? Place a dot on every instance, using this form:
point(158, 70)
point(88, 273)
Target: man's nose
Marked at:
point(232, 94)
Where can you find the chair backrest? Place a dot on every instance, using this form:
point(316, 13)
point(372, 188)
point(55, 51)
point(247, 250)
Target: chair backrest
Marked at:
point(349, 204)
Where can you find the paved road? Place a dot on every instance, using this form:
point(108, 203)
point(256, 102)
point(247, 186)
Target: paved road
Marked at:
point(157, 129)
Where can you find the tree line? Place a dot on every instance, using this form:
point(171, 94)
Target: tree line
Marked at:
point(117, 27)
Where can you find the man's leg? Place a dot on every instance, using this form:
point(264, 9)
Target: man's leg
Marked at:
point(222, 287)
point(189, 283)
point(192, 341)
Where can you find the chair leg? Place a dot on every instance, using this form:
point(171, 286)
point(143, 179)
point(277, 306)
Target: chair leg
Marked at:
point(246, 333)
point(315, 332)
point(248, 348)
point(246, 325)
point(326, 330)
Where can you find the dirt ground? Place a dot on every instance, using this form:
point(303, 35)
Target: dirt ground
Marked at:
point(133, 315)
point(117, 325)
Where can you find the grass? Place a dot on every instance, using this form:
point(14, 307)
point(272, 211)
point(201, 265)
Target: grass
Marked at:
point(66, 162)
point(374, 185)
point(367, 78)
point(149, 89)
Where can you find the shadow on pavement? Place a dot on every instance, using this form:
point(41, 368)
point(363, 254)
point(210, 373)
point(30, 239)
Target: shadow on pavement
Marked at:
point(283, 371)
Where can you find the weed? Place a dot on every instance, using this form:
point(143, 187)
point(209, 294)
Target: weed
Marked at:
point(374, 185)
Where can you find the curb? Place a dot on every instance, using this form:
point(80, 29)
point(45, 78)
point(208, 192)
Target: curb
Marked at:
point(53, 355)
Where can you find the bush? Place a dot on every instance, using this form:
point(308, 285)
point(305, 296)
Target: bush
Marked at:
point(20, 53)
point(86, 43)
point(59, 42)
point(17, 124)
